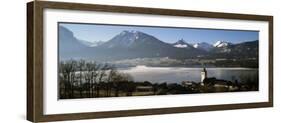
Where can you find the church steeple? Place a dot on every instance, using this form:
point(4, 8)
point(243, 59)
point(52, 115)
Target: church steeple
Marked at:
point(203, 75)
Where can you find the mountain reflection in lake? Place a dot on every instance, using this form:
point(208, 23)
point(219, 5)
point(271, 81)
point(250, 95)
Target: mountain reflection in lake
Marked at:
point(179, 74)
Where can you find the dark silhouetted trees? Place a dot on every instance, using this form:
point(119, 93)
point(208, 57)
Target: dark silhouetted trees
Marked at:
point(80, 79)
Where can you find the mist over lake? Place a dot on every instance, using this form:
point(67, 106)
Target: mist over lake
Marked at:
point(179, 74)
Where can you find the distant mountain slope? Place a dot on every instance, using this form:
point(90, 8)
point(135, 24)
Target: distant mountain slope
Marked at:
point(135, 44)
point(242, 50)
point(246, 49)
point(69, 46)
point(132, 39)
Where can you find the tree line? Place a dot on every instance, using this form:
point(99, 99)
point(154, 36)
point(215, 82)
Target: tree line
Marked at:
point(88, 79)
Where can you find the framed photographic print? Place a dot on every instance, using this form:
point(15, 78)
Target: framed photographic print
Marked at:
point(90, 61)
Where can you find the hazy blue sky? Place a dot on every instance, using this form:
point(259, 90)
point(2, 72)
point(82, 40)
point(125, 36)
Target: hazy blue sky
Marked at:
point(92, 33)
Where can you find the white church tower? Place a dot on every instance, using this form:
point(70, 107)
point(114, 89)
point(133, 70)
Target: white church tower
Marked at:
point(203, 75)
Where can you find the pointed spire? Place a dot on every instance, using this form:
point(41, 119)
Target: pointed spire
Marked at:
point(204, 68)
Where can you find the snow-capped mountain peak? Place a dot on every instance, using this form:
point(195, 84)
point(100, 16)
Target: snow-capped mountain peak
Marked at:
point(221, 44)
point(127, 39)
point(181, 41)
point(196, 45)
point(181, 44)
point(203, 46)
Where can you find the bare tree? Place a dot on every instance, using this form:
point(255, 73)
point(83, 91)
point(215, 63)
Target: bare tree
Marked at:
point(118, 80)
point(67, 70)
point(81, 67)
point(90, 75)
point(62, 81)
point(112, 72)
point(101, 76)
point(94, 78)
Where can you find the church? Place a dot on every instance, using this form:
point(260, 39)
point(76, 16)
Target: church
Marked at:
point(217, 84)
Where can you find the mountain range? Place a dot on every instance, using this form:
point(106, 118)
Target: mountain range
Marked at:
point(136, 44)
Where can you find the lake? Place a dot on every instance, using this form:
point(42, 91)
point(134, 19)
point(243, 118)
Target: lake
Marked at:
point(179, 74)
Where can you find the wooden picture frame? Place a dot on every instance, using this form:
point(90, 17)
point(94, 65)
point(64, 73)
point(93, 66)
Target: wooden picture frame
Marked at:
point(35, 62)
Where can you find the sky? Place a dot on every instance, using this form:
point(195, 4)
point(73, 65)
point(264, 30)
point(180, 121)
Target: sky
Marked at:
point(98, 32)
